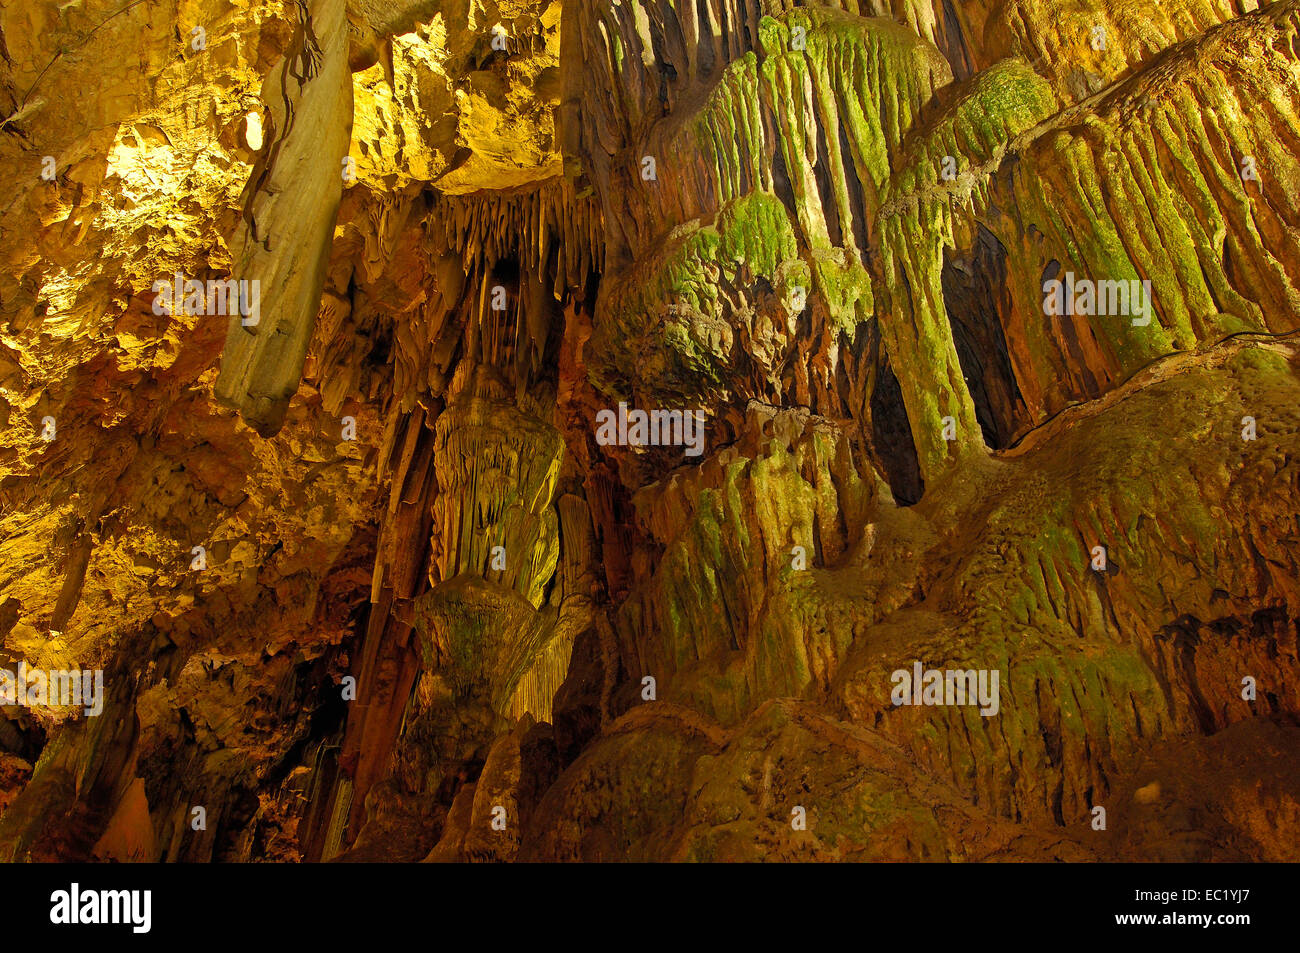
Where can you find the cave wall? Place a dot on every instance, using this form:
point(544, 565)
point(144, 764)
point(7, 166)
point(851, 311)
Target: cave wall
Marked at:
point(430, 597)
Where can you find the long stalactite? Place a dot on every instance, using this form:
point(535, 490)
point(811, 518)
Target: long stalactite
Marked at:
point(568, 430)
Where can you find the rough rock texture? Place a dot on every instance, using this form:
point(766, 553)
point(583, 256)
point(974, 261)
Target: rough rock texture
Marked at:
point(364, 577)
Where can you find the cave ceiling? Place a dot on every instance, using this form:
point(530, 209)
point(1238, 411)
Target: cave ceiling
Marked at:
point(615, 429)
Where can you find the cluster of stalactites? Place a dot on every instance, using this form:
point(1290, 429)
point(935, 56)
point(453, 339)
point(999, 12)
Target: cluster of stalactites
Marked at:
point(813, 109)
point(836, 114)
point(547, 230)
point(654, 53)
point(502, 266)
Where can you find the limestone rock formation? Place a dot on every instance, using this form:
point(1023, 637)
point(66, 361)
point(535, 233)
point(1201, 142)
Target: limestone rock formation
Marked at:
point(572, 430)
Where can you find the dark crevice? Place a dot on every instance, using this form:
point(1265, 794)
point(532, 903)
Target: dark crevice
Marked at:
point(781, 182)
point(704, 48)
point(1229, 270)
point(1086, 386)
point(826, 190)
point(952, 43)
point(976, 297)
point(892, 439)
point(853, 185)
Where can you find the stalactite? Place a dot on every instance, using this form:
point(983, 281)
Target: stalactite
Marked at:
point(284, 237)
point(425, 583)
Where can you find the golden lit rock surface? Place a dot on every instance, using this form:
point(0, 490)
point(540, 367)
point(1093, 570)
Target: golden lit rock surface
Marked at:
point(365, 577)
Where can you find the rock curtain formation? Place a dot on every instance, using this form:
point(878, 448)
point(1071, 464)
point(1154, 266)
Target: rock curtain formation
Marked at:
point(987, 311)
